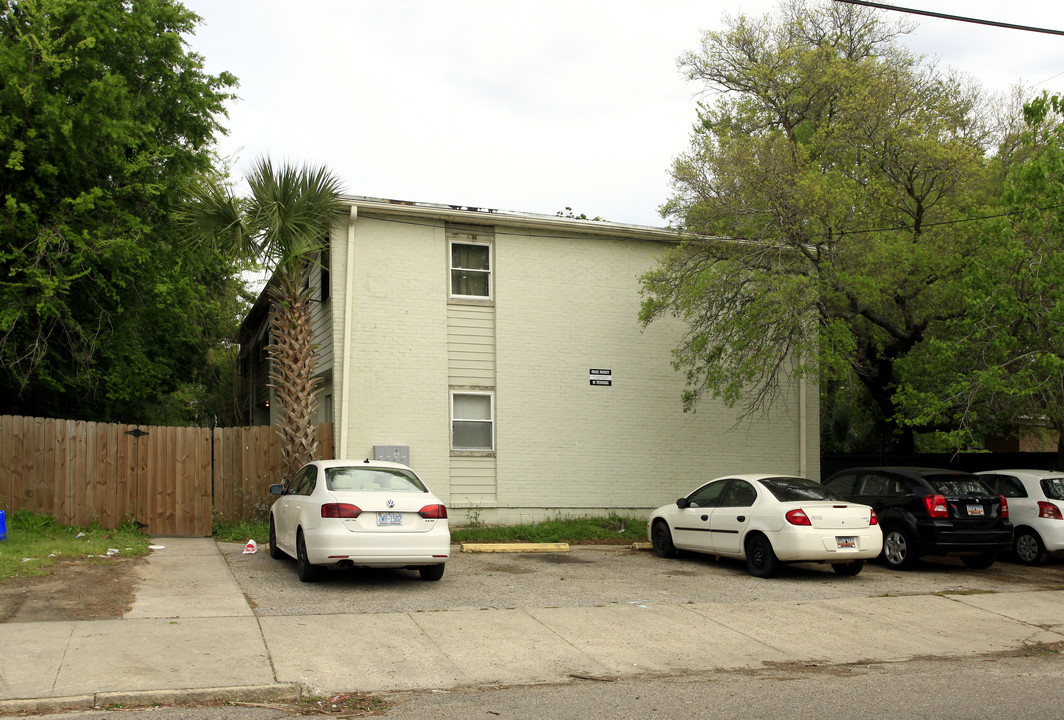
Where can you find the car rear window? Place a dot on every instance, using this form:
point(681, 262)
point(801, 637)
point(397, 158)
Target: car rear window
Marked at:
point(793, 489)
point(1053, 488)
point(958, 485)
point(360, 479)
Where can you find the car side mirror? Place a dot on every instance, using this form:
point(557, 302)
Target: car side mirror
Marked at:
point(277, 489)
point(683, 502)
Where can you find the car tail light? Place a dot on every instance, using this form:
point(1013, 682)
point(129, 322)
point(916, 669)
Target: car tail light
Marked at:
point(1004, 507)
point(433, 512)
point(1049, 510)
point(936, 506)
point(340, 510)
point(873, 520)
point(798, 517)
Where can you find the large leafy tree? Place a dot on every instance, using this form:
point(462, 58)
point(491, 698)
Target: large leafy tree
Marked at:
point(827, 171)
point(283, 223)
point(999, 365)
point(105, 116)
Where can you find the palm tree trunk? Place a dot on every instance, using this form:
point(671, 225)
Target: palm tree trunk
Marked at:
point(293, 371)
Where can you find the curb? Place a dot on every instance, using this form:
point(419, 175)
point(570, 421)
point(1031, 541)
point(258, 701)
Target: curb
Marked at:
point(545, 547)
point(515, 547)
point(282, 692)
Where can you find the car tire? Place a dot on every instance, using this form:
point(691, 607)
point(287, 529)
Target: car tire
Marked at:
point(1029, 548)
point(899, 549)
point(661, 539)
point(431, 572)
point(848, 569)
point(307, 572)
point(761, 559)
point(979, 562)
point(275, 552)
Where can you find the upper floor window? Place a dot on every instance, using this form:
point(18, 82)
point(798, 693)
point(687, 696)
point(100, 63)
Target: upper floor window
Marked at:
point(470, 270)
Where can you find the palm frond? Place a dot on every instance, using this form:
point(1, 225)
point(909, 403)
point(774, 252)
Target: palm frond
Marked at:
point(294, 206)
point(213, 215)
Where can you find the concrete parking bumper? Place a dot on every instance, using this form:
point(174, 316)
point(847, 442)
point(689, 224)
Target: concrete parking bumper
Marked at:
point(192, 637)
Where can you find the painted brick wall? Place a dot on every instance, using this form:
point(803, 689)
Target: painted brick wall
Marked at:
point(564, 306)
point(399, 343)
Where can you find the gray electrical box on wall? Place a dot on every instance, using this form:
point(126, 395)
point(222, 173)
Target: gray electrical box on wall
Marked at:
point(392, 453)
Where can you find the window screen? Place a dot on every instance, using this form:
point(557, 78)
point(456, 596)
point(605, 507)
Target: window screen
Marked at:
point(470, 270)
point(472, 423)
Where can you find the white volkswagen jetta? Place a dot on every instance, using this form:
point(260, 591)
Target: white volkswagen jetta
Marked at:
point(768, 520)
point(348, 513)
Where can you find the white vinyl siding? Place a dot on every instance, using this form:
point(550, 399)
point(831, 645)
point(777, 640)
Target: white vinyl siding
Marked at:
point(472, 481)
point(471, 344)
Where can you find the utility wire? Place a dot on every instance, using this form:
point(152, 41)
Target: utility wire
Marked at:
point(944, 16)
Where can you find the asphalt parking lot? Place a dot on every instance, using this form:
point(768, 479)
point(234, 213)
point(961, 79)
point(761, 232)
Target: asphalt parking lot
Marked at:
point(600, 576)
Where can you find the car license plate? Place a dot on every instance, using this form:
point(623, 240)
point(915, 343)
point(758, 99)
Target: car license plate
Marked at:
point(975, 509)
point(389, 518)
point(846, 542)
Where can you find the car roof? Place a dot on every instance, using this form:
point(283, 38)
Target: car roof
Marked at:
point(367, 463)
point(757, 476)
point(905, 470)
point(1030, 474)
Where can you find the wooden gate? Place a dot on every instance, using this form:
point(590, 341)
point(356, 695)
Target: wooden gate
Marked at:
point(84, 472)
point(171, 480)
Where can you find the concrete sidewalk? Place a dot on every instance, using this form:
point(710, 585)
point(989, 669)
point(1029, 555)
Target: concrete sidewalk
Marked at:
point(191, 637)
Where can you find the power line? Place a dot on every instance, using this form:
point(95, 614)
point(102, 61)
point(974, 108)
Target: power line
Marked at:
point(944, 16)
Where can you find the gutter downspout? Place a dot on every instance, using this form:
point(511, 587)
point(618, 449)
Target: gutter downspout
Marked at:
point(803, 433)
point(344, 419)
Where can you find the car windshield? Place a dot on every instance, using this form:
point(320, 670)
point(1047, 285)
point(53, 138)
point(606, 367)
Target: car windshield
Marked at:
point(371, 479)
point(1053, 488)
point(958, 485)
point(795, 489)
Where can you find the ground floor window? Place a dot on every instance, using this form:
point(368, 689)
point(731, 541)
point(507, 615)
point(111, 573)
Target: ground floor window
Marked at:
point(472, 421)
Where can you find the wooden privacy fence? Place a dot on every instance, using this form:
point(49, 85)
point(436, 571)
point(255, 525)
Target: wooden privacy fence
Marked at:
point(172, 480)
point(246, 461)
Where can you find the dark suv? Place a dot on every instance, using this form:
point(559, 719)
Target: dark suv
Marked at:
point(924, 511)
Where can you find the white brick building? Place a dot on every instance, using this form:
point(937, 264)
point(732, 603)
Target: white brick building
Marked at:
point(470, 339)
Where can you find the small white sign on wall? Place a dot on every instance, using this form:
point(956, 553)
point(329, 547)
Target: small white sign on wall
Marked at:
point(599, 376)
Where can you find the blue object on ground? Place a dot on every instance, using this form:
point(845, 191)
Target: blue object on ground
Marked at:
point(3, 526)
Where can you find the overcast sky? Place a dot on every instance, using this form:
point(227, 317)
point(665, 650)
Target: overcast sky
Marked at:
point(531, 105)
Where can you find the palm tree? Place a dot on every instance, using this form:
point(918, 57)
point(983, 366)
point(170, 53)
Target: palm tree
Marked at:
point(283, 225)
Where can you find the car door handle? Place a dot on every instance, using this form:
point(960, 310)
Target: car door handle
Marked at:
point(705, 517)
point(741, 518)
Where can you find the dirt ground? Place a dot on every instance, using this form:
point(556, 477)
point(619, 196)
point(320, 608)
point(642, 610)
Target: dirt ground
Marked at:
point(76, 590)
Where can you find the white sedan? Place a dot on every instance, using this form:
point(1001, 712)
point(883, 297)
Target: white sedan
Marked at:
point(349, 513)
point(1036, 502)
point(767, 520)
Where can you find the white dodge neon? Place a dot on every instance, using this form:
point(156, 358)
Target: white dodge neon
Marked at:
point(349, 513)
point(768, 520)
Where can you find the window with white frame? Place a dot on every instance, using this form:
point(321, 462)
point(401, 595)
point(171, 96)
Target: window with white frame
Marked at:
point(472, 421)
point(470, 270)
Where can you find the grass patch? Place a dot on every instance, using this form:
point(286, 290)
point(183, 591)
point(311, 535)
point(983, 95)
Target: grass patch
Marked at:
point(606, 530)
point(35, 542)
point(257, 530)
